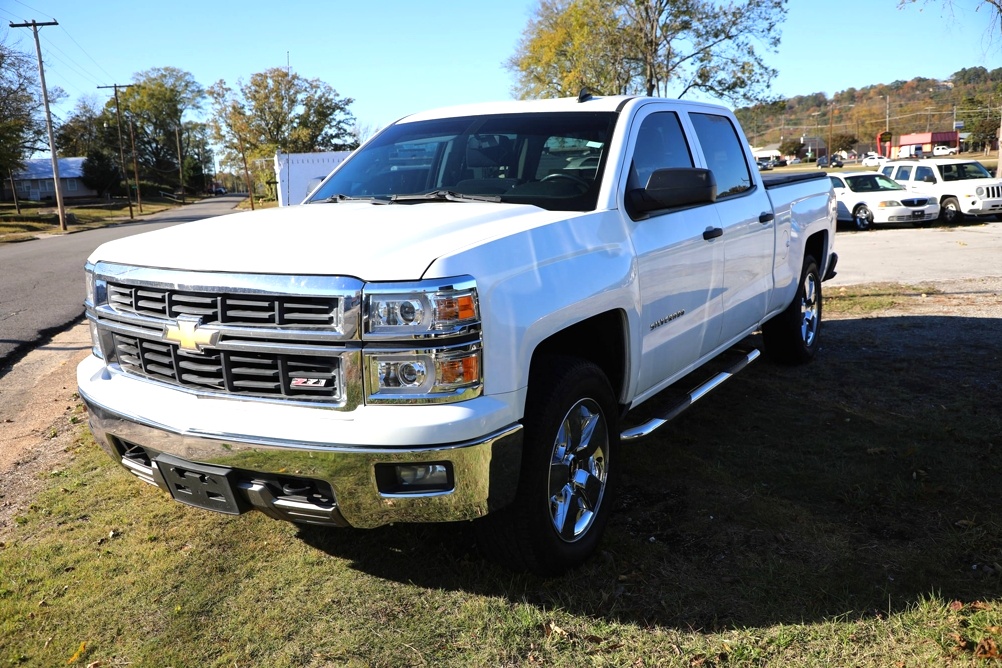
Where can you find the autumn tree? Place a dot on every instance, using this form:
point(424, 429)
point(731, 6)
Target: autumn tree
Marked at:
point(656, 47)
point(842, 142)
point(569, 45)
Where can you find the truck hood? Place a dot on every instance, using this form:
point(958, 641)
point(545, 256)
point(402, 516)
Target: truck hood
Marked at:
point(372, 242)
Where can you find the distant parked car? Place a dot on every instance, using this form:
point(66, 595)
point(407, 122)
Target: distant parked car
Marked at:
point(865, 198)
point(943, 150)
point(219, 191)
point(823, 162)
point(764, 165)
point(873, 160)
point(795, 161)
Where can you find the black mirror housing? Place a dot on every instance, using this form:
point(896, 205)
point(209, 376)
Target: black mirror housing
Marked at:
point(674, 188)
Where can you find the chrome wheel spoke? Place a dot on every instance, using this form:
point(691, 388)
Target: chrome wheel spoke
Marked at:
point(577, 472)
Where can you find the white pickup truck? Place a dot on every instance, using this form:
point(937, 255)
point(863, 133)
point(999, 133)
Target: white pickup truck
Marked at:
point(457, 323)
point(963, 187)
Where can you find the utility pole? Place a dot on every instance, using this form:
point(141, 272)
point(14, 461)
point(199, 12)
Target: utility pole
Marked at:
point(48, 119)
point(180, 164)
point(121, 151)
point(135, 165)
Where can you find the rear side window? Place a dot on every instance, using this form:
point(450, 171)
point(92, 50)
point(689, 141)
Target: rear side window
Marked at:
point(836, 182)
point(904, 173)
point(724, 154)
point(922, 172)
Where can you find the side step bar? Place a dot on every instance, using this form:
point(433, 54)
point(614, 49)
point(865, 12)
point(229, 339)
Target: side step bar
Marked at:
point(695, 395)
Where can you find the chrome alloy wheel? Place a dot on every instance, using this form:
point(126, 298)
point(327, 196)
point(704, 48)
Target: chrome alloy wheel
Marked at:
point(810, 309)
point(578, 472)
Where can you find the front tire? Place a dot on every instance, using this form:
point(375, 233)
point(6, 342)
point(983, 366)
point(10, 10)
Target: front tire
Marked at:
point(950, 211)
point(792, 337)
point(565, 488)
point(862, 217)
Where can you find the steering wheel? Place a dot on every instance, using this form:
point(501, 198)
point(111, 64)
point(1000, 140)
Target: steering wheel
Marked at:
point(570, 177)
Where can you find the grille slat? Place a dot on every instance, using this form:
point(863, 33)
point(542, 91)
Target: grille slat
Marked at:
point(249, 310)
point(250, 374)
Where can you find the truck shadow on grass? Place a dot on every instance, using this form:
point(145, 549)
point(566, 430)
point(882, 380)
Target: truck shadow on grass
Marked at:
point(856, 485)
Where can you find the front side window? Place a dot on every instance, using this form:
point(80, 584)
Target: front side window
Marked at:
point(922, 173)
point(551, 160)
point(660, 144)
point(724, 153)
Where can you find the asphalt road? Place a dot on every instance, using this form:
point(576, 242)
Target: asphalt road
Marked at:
point(41, 281)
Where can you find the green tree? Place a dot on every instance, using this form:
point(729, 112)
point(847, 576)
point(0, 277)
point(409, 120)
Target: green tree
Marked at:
point(791, 147)
point(153, 108)
point(22, 128)
point(843, 142)
point(101, 173)
point(83, 130)
point(278, 110)
point(658, 47)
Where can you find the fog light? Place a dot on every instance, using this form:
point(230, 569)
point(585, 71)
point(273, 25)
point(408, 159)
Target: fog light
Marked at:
point(419, 478)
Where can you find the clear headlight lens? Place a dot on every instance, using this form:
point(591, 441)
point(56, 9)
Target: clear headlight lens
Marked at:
point(432, 375)
point(888, 203)
point(979, 191)
point(420, 312)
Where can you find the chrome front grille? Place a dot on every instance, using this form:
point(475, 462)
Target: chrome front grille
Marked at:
point(246, 310)
point(914, 202)
point(300, 377)
point(256, 336)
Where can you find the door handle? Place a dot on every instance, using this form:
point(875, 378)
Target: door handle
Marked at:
point(713, 233)
point(766, 217)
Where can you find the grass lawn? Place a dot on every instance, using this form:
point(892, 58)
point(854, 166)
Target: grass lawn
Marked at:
point(42, 218)
point(844, 513)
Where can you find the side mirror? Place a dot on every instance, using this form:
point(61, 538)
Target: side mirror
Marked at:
point(930, 179)
point(674, 188)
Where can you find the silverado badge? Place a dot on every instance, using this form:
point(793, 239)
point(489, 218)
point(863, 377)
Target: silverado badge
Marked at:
point(186, 333)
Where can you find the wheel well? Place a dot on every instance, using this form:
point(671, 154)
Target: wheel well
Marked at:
point(817, 246)
point(601, 339)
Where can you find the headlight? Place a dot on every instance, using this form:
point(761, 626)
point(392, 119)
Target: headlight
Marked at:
point(425, 309)
point(434, 375)
point(979, 191)
point(888, 203)
point(96, 288)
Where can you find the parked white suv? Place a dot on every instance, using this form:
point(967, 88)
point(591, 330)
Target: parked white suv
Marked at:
point(963, 187)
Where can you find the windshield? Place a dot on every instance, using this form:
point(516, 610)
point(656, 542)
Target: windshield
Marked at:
point(961, 171)
point(871, 183)
point(551, 160)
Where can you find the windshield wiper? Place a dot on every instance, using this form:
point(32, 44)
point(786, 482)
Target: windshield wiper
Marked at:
point(347, 198)
point(445, 196)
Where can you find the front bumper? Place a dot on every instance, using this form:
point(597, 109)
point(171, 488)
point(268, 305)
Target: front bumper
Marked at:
point(304, 478)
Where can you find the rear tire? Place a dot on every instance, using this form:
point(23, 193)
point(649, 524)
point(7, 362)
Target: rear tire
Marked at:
point(566, 483)
point(792, 337)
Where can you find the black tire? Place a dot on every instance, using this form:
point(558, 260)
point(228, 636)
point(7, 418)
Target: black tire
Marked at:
point(792, 337)
point(862, 217)
point(564, 496)
point(949, 211)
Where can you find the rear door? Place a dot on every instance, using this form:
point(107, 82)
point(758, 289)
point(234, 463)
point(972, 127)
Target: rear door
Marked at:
point(749, 228)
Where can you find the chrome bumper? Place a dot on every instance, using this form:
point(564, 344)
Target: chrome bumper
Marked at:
point(337, 485)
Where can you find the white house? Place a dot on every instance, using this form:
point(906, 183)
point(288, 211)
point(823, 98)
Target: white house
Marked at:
point(35, 182)
point(299, 173)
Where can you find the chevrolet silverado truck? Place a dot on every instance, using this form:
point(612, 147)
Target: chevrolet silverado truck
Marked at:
point(963, 187)
point(458, 322)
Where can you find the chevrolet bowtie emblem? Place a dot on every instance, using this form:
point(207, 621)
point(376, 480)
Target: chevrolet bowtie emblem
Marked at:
point(186, 333)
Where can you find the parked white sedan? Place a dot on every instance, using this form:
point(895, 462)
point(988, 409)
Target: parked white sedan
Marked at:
point(865, 198)
point(873, 160)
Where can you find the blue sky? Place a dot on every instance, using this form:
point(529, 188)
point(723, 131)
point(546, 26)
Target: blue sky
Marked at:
point(395, 57)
